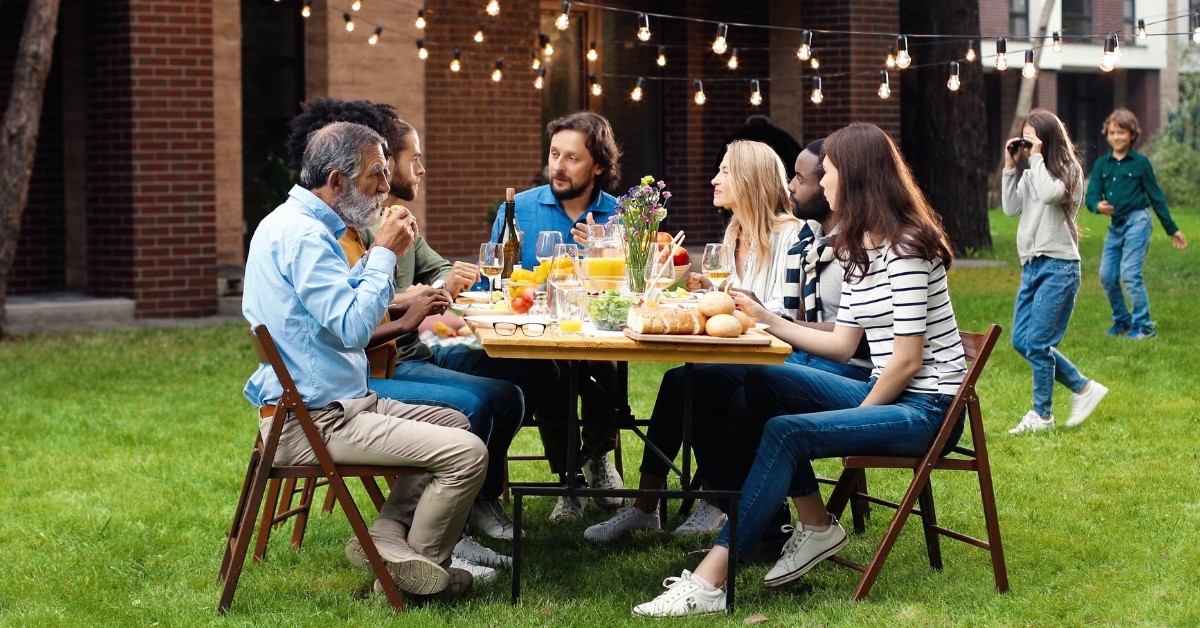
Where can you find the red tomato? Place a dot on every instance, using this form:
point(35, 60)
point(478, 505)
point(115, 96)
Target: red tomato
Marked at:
point(681, 256)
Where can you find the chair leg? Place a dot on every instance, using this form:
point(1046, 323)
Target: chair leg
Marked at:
point(372, 486)
point(618, 459)
point(871, 573)
point(504, 493)
point(842, 492)
point(306, 500)
point(239, 541)
point(288, 492)
point(338, 488)
point(685, 507)
point(243, 499)
point(330, 501)
point(933, 543)
point(859, 507)
point(264, 525)
point(990, 515)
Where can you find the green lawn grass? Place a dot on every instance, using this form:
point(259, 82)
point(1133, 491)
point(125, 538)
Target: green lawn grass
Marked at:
point(122, 454)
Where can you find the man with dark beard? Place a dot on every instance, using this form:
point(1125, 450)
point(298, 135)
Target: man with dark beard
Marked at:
point(322, 312)
point(584, 161)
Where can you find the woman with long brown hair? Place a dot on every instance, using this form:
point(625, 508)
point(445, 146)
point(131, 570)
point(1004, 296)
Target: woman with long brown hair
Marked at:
point(896, 256)
point(1043, 184)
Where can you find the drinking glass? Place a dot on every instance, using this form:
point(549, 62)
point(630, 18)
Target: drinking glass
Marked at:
point(546, 243)
point(569, 306)
point(659, 271)
point(717, 265)
point(491, 264)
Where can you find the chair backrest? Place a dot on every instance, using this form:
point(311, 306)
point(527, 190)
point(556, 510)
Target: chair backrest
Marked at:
point(268, 353)
point(977, 348)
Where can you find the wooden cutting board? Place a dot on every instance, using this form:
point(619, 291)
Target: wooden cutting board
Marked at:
point(754, 337)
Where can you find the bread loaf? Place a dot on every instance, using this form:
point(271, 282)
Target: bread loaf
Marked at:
point(716, 302)
point(723, 326)
point(745, 320)
point(665, 320)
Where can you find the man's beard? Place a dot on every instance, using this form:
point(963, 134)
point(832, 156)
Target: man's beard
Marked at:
point(357, 209)
point(815, 208)
point(405, 189)
point(572, 192)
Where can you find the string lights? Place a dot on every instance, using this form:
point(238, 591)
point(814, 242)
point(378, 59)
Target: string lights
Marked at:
point(349, 22)
point(719, 45)
point(456, 64)
point(733, 60)
point(1057, 45)
point(755, 93)
point(805, 50)
point(1001, 54)
point(537, 63)
point(1029, 71)
point(902, 58)
point(954, 83)
point(970, 56)
point(1141, 30)
point(421, 18)
point(493, 8)
point(498, 74)
point(356, 6)
point(816, 96)
point(636, 94)
point(1108, 60)
point(563, 22)
point(643, 27)
point(422, 53)
point(885, 88)
point(306, 10)
point(592, 55)
point(540, 81)
point(699, 97)
point(1196, 28)
point(544, 42)
point(374, 38)
point(890, 62)
point(479, 35)
point(814, 63)
point(595, 82)
point(662, 57)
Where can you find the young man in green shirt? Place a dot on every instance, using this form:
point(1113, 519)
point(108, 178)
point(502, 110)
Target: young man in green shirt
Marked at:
point(1122, 182)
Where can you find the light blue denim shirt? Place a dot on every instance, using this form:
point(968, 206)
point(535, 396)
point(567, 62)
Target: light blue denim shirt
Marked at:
point(320, 312)
point(538, 210)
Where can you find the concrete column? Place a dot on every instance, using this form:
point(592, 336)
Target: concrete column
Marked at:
point(227, 129)
point(787, 96)
point(73, 24)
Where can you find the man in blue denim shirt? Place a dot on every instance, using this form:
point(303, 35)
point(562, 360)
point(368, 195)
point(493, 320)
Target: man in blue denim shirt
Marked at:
point(584, 161)
point(321, 314)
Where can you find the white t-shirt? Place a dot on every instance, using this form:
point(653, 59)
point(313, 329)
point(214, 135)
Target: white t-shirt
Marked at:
point(907, 297)
point(767, 283)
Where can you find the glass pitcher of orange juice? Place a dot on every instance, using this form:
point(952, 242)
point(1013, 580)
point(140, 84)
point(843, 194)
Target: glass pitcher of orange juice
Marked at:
point(604, 261)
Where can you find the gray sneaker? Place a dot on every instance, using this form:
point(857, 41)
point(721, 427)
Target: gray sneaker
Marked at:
point(459, 583)
point(804, 550)
point(411, 571)
point(706, 518)
point(568, 508)
point(601, 473)
point(489, 518)
point(468, 549)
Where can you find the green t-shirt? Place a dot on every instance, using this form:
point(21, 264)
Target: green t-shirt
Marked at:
point(420, 265)
point(1128, 184)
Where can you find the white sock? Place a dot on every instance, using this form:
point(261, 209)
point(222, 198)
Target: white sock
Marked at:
point(708, 586)
point(813, 528)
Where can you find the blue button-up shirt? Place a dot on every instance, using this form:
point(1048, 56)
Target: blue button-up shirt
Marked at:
point(320, 312)
point(538, 210)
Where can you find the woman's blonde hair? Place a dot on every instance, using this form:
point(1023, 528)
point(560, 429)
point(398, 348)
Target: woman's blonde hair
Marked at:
point(758, 184)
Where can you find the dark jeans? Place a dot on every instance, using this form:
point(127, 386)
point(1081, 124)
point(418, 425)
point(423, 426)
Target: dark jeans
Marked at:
point(810, 414)
point(598, 388)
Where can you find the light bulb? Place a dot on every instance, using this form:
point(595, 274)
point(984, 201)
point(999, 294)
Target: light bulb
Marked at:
point(540, 81)
point(699, 97)
point(479, 35)
point(356, 6)
point(306, 10)
point(1196, 28)
point(1001, 54)
point(755, 94)
point(497, 74)
point(563, 22)
point(455, 65)
point(1057, 45)
point(349, 22)
point(420, 18)
point(719, 46)
point(422, 53)
point(733, 60)
point(902, 58)
point(1108, 60)
point(1141, 30)
point(662, 57)
point(537, 63)
point(954, 83)
point(805, 50)
point(374, 39)
point(814, 62)
point(493, 8)
point(596, 89)
point(1029, 71)
point(817, 96)
point(636, 94)
point(970, 56)
point(643, 27)
point(885, 89)
point(544, 40)
point(592, 55)
point(890, 62)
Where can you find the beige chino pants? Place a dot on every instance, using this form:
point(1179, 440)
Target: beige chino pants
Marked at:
point(433, 508)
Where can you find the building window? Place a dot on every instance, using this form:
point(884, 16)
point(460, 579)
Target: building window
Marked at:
point(1130, 11)
point(1077, 17)
point(1018, 18)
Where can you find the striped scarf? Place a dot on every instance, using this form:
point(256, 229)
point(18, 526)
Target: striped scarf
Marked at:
point(805, 260)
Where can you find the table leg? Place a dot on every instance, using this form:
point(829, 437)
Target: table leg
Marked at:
point(685, 481)
point(572, 420)
point(731, 580)
point(516, 557)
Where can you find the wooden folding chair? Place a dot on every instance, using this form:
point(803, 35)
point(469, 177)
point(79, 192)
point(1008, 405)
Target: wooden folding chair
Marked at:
point(290, 406)
point(977, 348)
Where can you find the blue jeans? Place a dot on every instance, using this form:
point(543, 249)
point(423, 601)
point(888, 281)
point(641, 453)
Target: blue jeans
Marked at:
point(810, 414)
point(1040, 317)
point(1125, 251)
point(494, 407)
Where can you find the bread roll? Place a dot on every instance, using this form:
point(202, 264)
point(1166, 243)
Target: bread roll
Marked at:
point(665, 320)
point(716, 302)
point(723, 326)
point(744, 319)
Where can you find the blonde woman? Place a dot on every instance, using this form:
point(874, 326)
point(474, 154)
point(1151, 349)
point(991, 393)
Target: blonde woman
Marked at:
point(752, 184)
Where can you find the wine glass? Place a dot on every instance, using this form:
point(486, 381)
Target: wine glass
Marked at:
point(716, 265)
point(659, 271)
point(491, 264)
point(546, 242)
point(565, 269)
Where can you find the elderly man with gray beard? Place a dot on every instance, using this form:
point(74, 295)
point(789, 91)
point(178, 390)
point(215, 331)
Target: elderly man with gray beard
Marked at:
point(321, 314)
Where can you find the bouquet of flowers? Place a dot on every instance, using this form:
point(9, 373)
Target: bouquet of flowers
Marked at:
point(641, 210)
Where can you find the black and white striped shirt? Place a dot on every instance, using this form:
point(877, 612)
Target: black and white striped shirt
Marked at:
point(907, 297)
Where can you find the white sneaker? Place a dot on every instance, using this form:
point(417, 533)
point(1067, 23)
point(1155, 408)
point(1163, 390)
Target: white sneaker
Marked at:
point(684, 596)
point(626, 519)
point(1083, 403)
point(568, 508)
point(601, 473)
point(468, 549)
point(1033, 422)
point(489, 519)
point(804, 550)
point(479, 573)
point(706, 518)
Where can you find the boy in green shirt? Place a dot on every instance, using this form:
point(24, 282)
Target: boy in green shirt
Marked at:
point(1122, 182)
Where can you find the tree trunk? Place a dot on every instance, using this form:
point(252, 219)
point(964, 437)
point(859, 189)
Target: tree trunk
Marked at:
point(18, 133)
point(942, 131)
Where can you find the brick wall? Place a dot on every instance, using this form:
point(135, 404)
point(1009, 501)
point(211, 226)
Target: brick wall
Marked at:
point(1107, 16)
point(1046, 94)
point(38, 264)
point(1143, 101)
point(993, 18)
point(481, 136)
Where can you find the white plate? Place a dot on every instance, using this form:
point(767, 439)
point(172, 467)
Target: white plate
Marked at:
point(499, 318)
point(479, 296)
